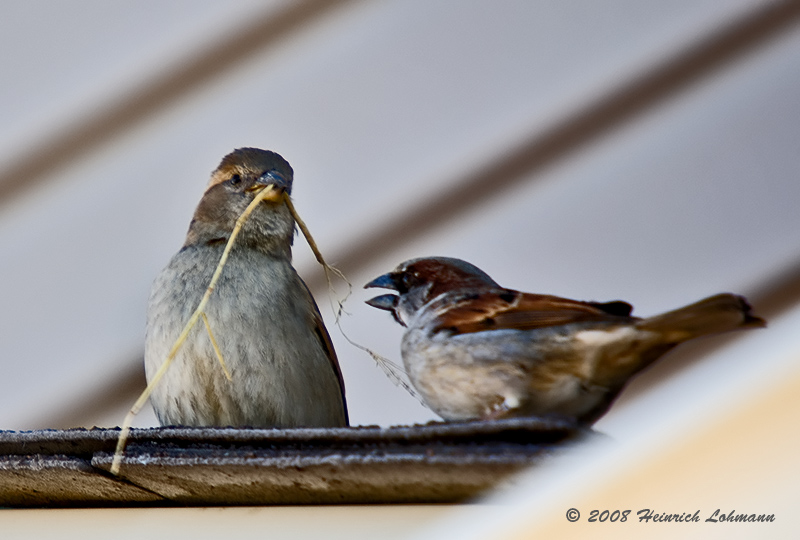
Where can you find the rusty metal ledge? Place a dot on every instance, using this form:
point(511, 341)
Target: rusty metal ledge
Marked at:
point(432, 463)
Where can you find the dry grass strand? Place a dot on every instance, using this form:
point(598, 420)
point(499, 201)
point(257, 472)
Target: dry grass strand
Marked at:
point(264, 194)
point(393, 371)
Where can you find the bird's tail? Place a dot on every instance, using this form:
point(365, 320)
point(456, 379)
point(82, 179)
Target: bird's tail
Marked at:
point(712, 315)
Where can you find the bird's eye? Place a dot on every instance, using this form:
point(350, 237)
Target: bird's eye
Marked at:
point(235, 179)
point(408, 280)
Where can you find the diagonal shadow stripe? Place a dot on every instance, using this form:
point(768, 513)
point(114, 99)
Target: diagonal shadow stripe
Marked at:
point(621, 105)
point(779, 293)
point(218, 58)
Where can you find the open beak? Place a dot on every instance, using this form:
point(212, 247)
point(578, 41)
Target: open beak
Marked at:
point(272, 181)
point(386, 281)
point(386, 302)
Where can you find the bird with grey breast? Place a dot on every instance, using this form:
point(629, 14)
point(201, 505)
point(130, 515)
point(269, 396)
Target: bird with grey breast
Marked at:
point(284, 371)
point(476, 350)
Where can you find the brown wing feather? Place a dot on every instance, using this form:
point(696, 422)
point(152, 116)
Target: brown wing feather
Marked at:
point(508, 309)
point(327, 345)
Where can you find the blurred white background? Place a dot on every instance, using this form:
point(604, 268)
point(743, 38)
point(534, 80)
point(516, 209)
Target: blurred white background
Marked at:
point(645, 151)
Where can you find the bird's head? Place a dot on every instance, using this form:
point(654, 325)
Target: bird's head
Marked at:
point(418, 281)
point(233, 185)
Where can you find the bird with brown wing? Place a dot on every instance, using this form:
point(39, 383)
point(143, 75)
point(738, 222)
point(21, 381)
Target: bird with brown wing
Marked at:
point(476, 350)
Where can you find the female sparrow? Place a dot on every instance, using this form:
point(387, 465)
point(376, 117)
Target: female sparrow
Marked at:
point(269, 331)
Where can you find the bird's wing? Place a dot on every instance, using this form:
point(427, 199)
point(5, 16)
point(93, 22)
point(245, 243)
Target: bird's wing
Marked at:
point(327, 346)
point(465, 312)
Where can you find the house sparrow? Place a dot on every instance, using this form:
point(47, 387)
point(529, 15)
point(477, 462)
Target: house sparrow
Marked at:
point(269, 330)
point(475, 350)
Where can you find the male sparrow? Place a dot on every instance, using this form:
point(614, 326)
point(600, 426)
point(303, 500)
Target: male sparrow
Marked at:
point(269, 330)
point(475, 350)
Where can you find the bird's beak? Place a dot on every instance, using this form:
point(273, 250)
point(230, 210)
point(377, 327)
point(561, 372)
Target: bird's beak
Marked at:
point(385, 301)
point(274, 181)
point(386, 281)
